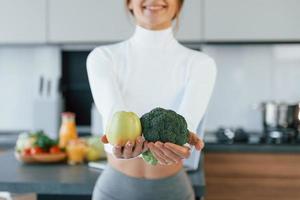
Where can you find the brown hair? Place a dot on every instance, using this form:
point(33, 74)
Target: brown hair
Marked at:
point(180, 4)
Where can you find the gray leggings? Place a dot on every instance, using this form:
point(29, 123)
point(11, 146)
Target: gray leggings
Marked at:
point(114, 185)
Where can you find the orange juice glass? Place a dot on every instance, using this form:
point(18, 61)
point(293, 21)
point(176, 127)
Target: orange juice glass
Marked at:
point(76, 151)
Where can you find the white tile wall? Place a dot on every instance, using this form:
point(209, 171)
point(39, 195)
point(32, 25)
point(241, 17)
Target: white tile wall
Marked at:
point(250, 74)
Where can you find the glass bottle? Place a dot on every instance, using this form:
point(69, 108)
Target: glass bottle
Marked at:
point(68, 129)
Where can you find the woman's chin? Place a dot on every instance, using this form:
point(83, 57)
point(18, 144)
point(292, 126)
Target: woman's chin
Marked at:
point(155, 25)
point(154, 21)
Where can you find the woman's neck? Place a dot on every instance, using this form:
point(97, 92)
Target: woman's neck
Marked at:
point(153, 38)
point(155, 27)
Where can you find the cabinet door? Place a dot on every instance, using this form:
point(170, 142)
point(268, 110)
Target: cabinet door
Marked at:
point(22, 21)
point(252, 20)
point(88, 21)
point(191, 21)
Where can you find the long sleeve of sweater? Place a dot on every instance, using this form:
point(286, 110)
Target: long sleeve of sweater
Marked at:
point(104, 84)
point(198, 90)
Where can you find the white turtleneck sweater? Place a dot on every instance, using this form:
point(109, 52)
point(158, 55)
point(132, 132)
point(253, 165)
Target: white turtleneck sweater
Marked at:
point(151, 69)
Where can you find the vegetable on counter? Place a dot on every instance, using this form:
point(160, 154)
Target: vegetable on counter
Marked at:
point(165, 126)
point(95, 150)
point(54, 150)
point(32, 143)
point(24, 142)
point(85, 149)
point(43, 141)
point(37, 147)
point(36, 150)
point(26, 152)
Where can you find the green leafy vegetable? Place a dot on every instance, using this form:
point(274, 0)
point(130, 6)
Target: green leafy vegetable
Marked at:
point(43, 141)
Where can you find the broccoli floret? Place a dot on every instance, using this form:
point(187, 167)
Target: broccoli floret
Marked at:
point(165, 126)
point(149, 158)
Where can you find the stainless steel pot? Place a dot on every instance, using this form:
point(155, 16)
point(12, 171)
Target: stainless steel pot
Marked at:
point(270, 115)
point(281, 121)
point(288, 116)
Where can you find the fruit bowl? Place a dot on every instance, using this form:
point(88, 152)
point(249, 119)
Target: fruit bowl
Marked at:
point(41, 158)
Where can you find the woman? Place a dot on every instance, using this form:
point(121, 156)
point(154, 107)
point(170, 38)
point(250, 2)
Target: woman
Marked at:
point(150, 69)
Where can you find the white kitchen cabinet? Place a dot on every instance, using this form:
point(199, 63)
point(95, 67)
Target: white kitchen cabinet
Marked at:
point(252, 20)
point(88, 21)
point(191, 21)
point(81, 21)
point(22, 21)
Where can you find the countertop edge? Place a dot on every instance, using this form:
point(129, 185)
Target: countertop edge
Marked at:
point(251, 148)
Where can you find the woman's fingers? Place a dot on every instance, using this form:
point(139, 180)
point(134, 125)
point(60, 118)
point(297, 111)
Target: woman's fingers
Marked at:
point(166, 153)
point(183, 152)
point(145, 146)
point(117, 151)
point(138, 146)
point(169, 154)
point(160, 156)
point(131, 149)
point(196, 141)
point(157, 154)
point(127, 153)
point(104, 139)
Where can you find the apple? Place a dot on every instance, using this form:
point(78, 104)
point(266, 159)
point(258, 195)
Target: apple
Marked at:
point(123, 127)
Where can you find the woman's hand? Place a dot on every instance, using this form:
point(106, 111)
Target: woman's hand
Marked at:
point(169, 153)
point(194, 140)
point(130, 150)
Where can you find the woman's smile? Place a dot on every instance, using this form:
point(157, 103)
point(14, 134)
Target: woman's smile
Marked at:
point(154, 14)
point(155, 7)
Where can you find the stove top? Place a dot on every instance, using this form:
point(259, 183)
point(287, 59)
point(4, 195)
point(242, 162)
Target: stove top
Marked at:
point(241, 136)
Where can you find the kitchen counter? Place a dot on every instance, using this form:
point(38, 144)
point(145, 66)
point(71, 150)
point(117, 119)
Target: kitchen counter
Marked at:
point(61, 181)
point(212, 144)
point(252, 148)
point(8, 140)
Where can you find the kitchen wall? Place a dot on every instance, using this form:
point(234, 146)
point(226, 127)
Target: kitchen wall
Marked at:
point(248, 75)
point(20, 68)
